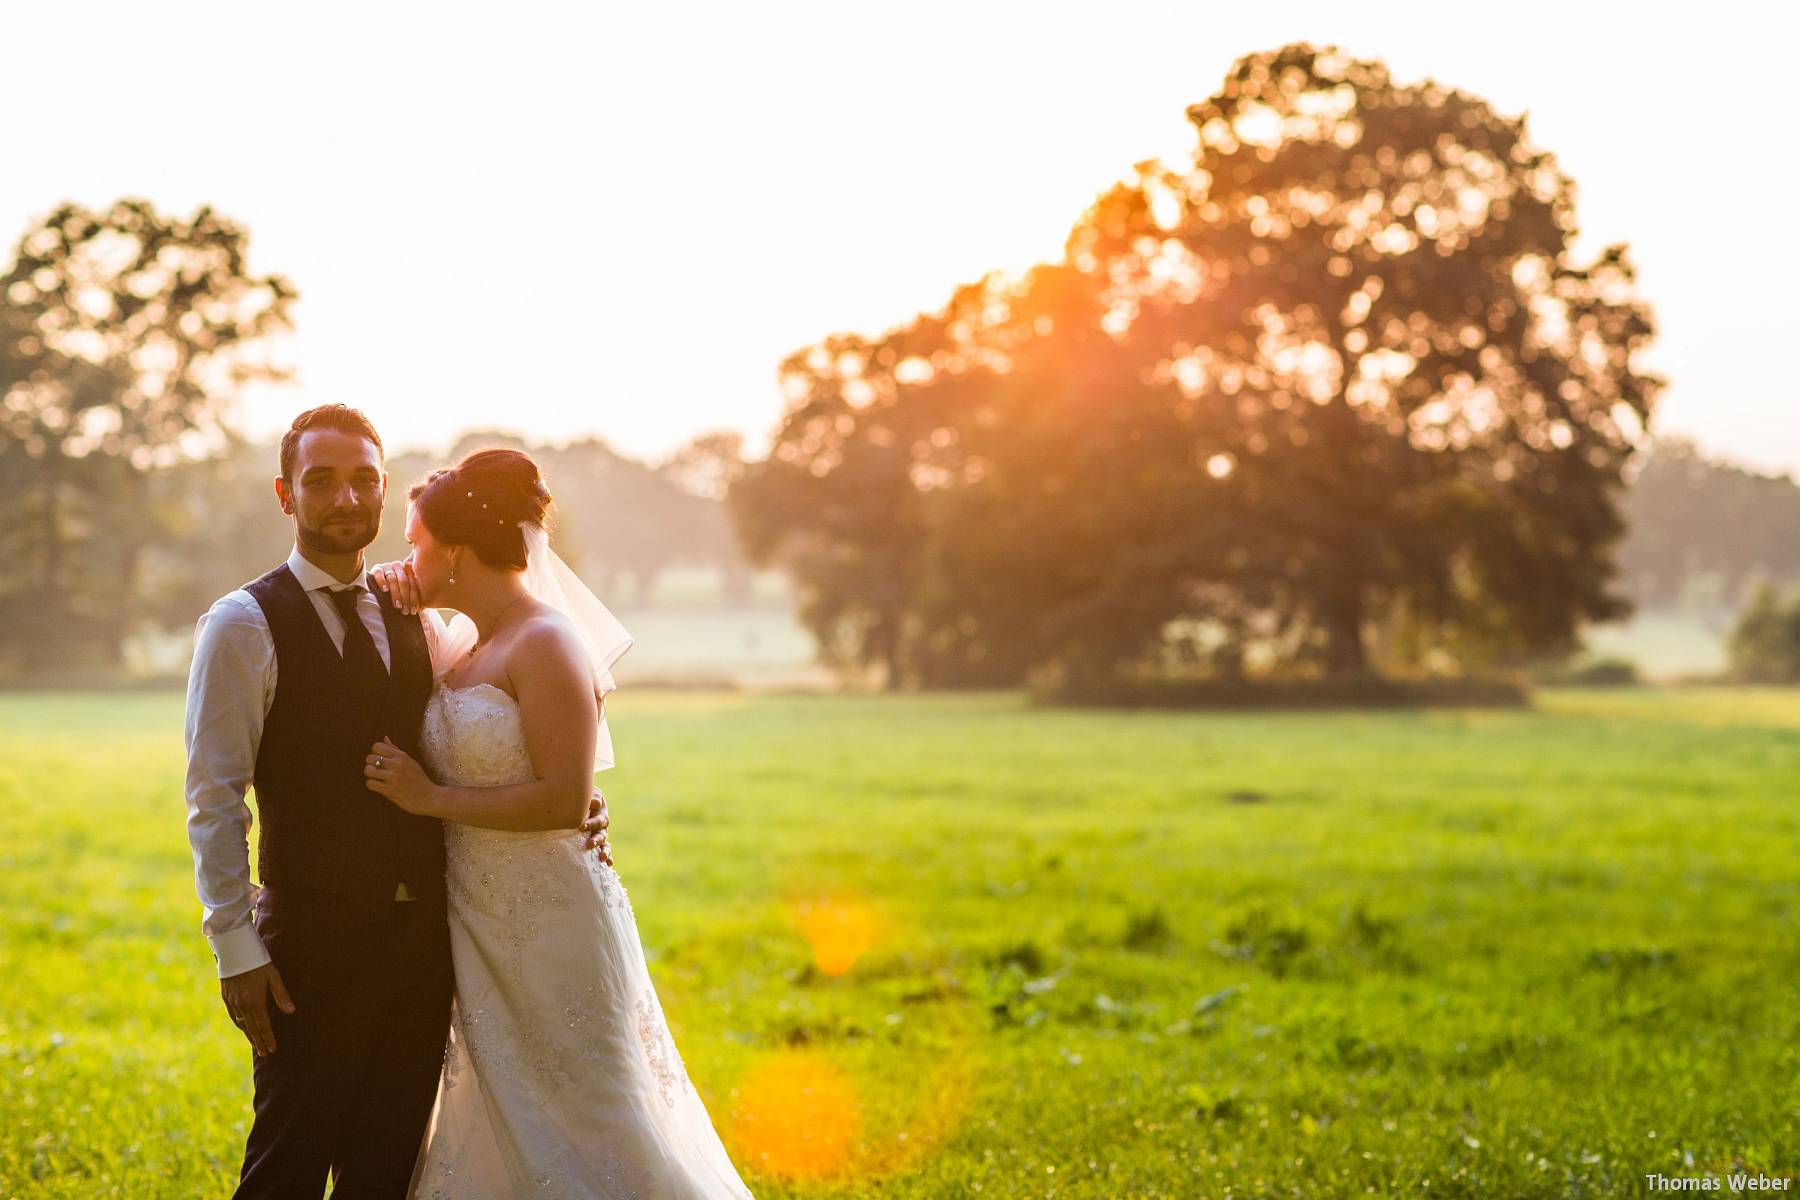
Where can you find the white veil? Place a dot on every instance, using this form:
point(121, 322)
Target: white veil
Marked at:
point(549, 579)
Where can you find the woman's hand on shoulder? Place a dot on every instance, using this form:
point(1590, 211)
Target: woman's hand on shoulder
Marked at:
point(401, 585)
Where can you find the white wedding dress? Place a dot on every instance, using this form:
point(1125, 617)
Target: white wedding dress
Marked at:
point(561, 1079)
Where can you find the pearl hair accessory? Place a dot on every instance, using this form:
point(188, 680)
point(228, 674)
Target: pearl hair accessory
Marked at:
point(497, 520)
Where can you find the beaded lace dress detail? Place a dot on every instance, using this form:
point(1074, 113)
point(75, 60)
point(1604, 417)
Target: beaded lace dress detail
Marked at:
point(561, 1078)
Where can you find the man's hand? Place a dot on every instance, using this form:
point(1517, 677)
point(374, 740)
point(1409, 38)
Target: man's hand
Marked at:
point(247, 999)
point(595, 827)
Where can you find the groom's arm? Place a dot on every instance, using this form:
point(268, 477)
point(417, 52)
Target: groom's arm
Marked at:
point(229, 686)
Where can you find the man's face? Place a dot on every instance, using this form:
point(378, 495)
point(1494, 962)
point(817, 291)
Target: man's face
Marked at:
point(335, 492)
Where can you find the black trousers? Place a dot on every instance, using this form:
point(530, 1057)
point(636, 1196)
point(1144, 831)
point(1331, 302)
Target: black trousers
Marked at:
point(349, 1088)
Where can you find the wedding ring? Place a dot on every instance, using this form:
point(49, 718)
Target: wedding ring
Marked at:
point(380, 761)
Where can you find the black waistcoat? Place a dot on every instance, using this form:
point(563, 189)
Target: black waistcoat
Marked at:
point(322, 827)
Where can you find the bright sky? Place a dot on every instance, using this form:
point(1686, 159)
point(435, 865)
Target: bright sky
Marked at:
point(617, 219)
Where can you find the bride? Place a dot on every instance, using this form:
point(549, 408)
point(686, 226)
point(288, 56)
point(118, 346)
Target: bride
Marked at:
point(561, 1079)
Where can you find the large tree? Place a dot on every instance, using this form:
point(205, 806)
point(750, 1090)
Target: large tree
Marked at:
point(1365, 297)
point(126, 337)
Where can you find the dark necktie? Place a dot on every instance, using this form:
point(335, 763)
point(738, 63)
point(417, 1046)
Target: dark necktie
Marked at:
point(361, 661)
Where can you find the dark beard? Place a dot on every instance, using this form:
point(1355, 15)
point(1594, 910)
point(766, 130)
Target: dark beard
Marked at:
point(338, 539)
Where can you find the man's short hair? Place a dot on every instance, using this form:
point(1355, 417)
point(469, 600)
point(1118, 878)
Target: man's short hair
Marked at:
point(339, 417)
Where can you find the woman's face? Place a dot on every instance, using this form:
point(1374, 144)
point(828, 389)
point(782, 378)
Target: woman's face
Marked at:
point(432, 561)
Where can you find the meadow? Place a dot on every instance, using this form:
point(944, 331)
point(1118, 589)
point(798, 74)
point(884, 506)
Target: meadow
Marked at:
point(926, 946)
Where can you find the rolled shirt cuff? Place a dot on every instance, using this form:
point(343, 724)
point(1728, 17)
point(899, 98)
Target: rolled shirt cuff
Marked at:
point(239, 950)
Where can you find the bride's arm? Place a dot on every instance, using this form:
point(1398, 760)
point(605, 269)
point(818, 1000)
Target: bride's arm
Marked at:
point(548, 670)
point(445, 641)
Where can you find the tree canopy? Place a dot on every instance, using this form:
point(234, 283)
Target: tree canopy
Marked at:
point(125, 335)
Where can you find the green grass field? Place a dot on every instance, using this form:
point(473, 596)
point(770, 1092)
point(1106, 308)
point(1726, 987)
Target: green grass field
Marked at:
point(1090, 954)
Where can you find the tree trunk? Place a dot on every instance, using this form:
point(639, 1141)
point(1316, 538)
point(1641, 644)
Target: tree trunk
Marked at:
point(887, 651)
point(1342, 619)
point(123, 617)
point(52, 624)
point(52, 529)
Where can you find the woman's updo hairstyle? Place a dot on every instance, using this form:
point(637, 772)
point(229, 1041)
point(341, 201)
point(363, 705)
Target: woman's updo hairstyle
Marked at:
point(480, 502)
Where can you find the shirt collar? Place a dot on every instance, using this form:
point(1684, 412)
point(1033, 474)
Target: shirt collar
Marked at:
point(313, 578)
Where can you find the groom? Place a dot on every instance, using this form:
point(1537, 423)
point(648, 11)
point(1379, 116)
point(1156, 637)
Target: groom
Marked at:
point(338, 971)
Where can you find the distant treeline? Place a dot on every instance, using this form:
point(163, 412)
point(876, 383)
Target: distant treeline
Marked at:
point(618, 521)
point(1702, 533)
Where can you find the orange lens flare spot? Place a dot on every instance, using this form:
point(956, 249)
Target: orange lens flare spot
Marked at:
point(795, 1115)
point(839, 932)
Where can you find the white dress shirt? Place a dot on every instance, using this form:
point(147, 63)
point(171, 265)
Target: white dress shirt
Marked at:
point(230, 688)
